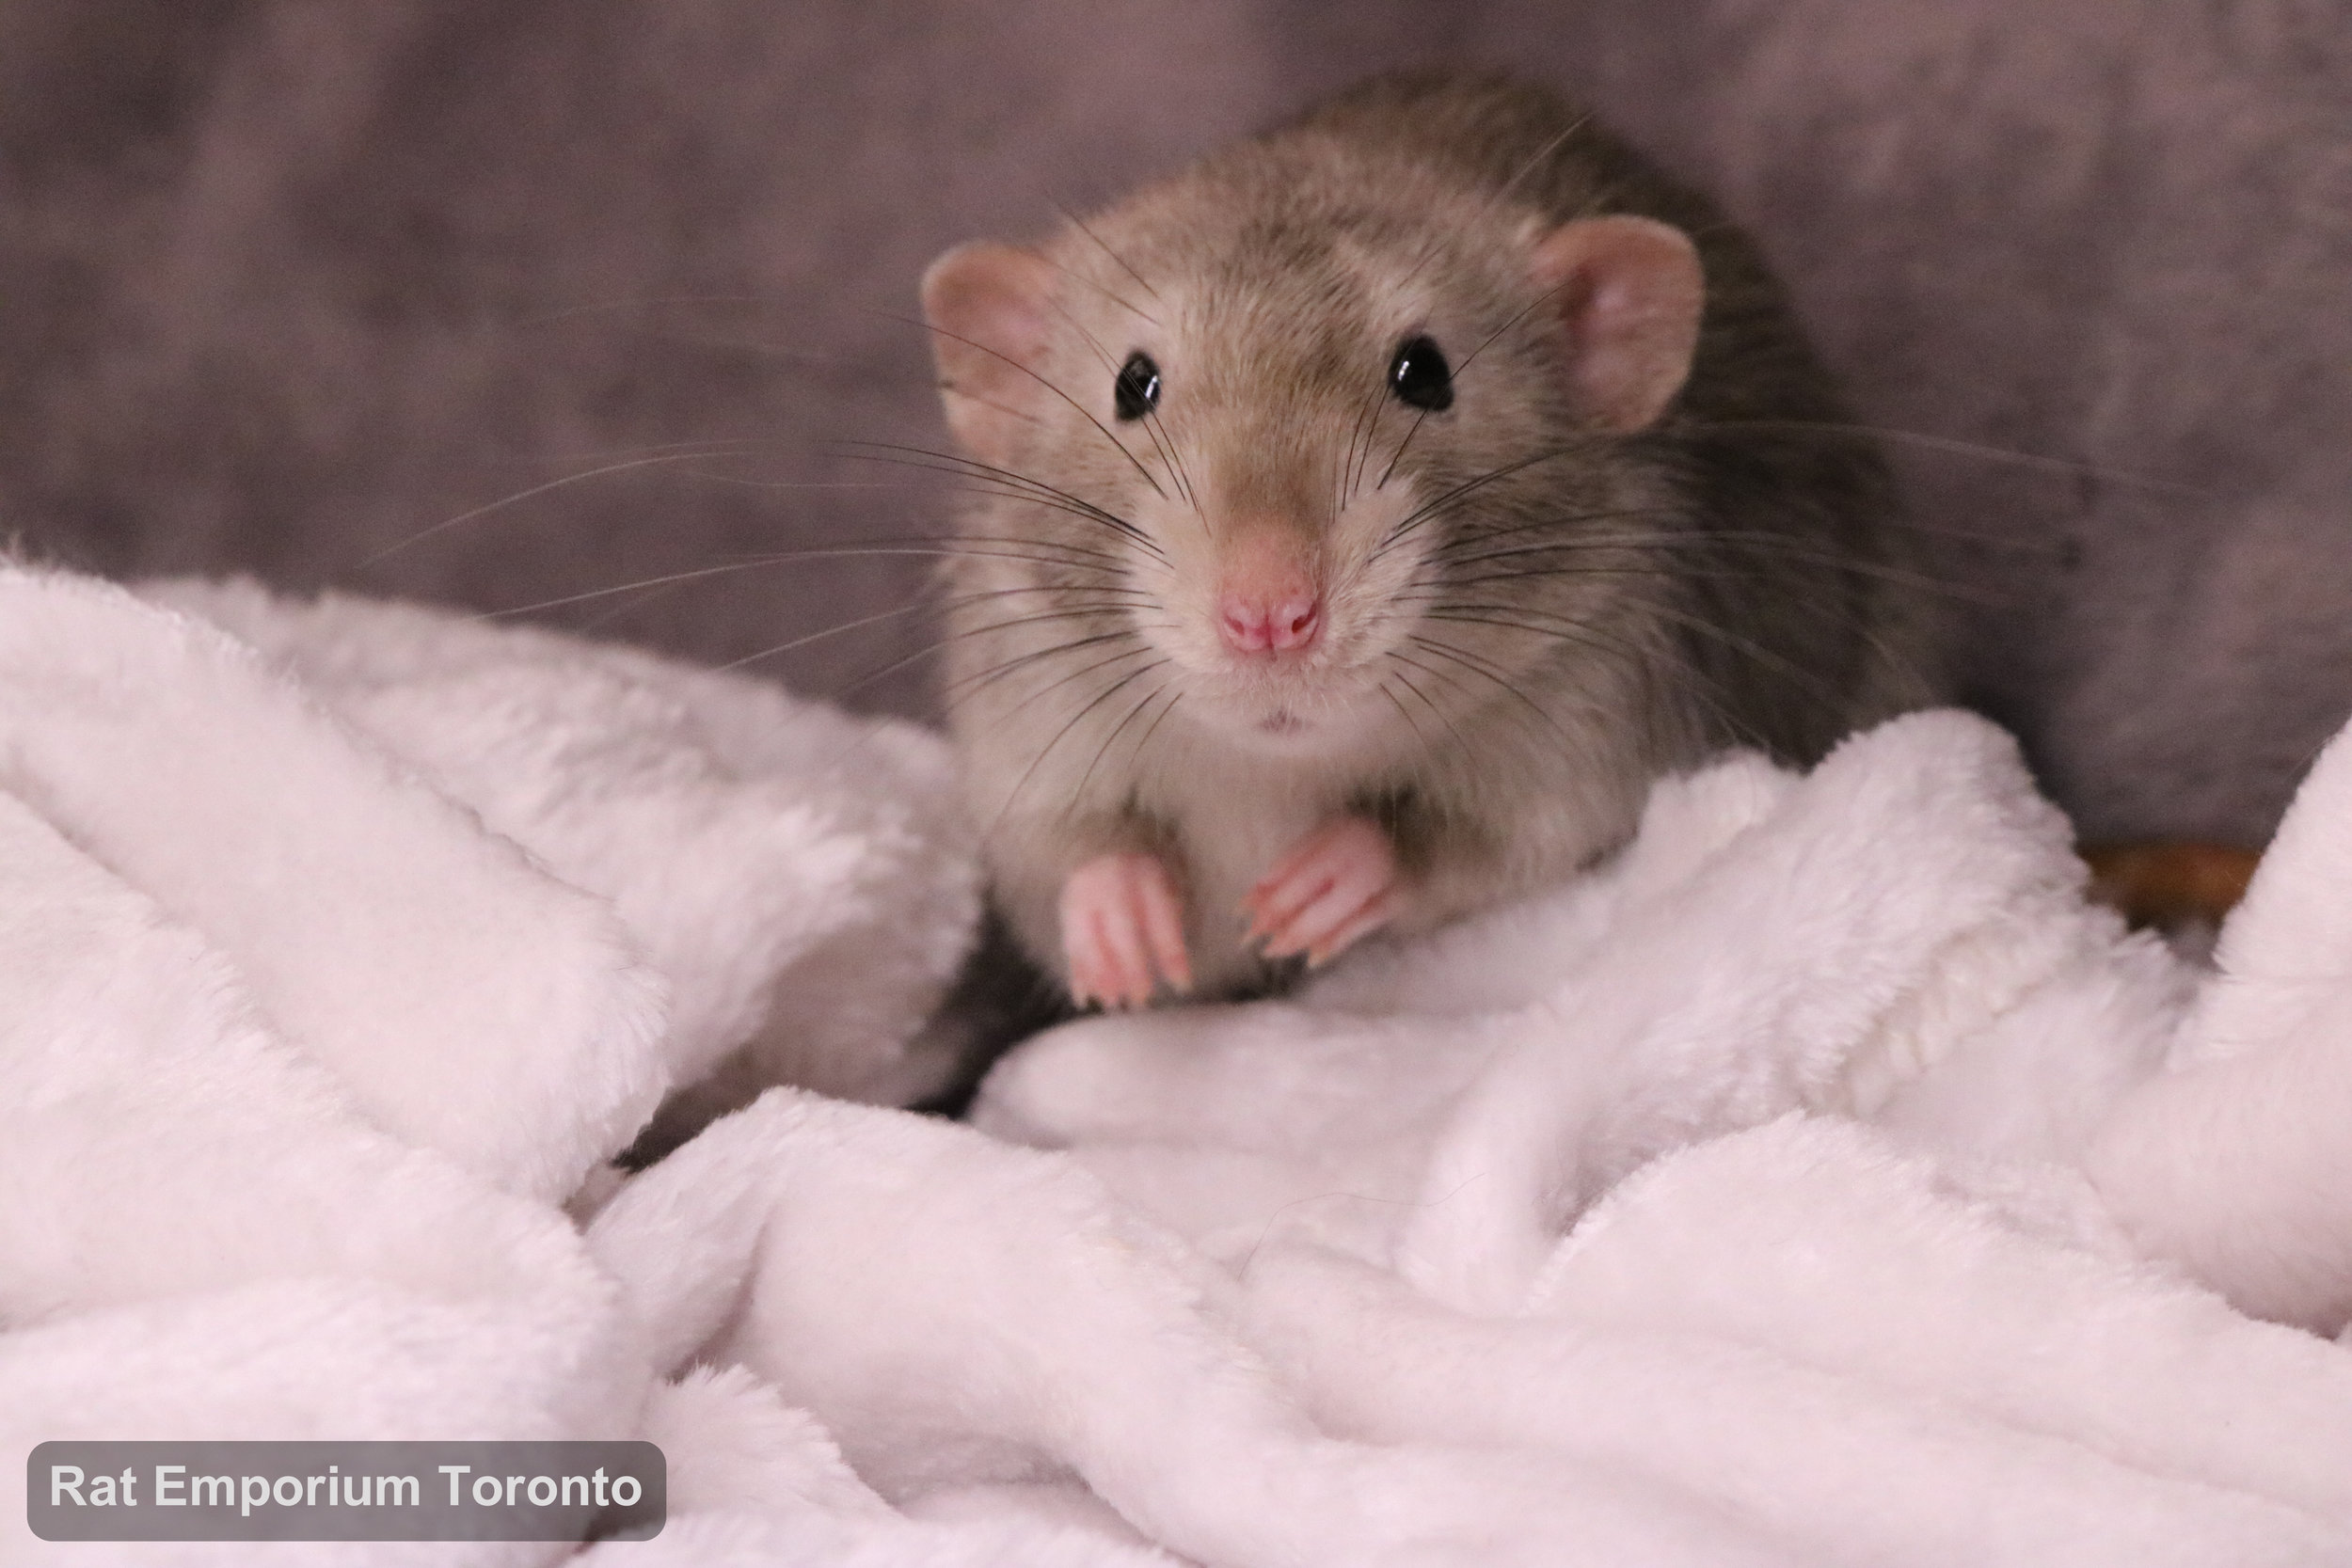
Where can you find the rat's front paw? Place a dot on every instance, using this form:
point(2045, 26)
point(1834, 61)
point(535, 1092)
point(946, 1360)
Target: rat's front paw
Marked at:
point(1121, 921)
point(1338, 883)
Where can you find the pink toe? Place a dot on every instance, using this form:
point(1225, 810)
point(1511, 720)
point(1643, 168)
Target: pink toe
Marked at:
point(1327, 891)
point(1362, 924)
point(1122, 941)
point(1122, 919)
point(1163, 920)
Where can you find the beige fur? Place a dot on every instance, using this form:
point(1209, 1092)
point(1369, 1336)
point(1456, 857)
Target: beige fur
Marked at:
point(1272, 285)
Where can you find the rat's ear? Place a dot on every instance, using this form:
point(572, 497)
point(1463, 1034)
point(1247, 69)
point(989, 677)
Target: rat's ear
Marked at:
point(1628, 294)
point(986, 304)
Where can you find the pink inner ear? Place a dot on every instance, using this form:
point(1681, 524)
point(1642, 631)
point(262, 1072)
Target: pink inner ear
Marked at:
point(1628, 294)
point(987, 306)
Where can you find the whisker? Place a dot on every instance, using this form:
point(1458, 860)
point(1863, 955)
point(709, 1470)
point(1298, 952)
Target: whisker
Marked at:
point(1105, 695)
point(1075, 275)
point(786, 558)
point(1470, 486)
point(1143, 745)
point(1730, 541)
point(1953, 446)
point(1522, 314)
point(1432, 672)
point(1126, 634)
point(1074, 403)
point(1153, 426)
point(520, 496)
point(1542, 154)
point(640, 303)
point(1471, 359)
point(969, 685)
point(990, 489)
point(1405, 713)
point(969, 467)
point(1360, 439)
point(1405, 681)
point(1073, 613)
point(1502, 193)
point(1450, 498)
point(1412, 431)
point(1849, 618)
point(1953, 592)
point(636, 597)
point(757, 350)
point(1452, 553)
point(984, 486)
point(712, 445)
point(1797, 673)
point(1448, 554)
point(1005, 408)
point(1103, 750)
point(711, 476)
point(1080, 225)
point(1176, 461)
point(1894, 575)
point(1481, 666)
point(1695, 680)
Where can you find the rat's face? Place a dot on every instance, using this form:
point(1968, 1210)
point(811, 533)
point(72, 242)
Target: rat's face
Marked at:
point(1276, 428)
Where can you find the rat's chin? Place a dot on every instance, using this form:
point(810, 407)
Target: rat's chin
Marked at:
point(1283, 729)
point(1275, 724)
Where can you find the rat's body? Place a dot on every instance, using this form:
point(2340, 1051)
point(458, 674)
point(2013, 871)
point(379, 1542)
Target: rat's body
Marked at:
point(1426, 477)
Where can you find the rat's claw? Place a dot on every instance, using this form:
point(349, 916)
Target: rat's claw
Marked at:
point(1122, 923)
point(1337, 884)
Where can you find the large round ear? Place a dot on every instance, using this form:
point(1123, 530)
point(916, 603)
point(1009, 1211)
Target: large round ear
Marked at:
point(1628, 294)
point(986, 305)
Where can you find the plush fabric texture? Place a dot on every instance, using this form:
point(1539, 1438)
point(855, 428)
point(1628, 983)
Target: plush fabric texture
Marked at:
point(1820, 1180)
point(760, 850)
point(293, 282)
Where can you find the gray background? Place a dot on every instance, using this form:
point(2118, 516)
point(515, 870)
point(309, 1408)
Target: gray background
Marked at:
point(287, 283)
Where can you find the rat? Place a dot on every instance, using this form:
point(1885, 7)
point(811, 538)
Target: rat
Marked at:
point(1362, 518)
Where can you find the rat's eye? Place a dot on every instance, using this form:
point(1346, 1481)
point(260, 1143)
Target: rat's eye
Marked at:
point(1420, 375)
point(1136, 391)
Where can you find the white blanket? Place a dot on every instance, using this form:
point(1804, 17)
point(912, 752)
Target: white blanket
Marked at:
point(1821, 1181)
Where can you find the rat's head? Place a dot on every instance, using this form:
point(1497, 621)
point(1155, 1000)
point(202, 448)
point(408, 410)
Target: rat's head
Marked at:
point(1282, 421)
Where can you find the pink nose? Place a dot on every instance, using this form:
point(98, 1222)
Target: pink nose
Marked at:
point(1253, 624)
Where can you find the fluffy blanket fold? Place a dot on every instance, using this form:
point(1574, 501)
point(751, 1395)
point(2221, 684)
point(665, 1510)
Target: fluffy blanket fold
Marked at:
point(1820, 1181)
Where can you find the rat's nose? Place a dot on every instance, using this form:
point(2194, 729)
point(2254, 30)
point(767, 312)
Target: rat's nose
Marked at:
point(1266, 597)
point(1254, 621)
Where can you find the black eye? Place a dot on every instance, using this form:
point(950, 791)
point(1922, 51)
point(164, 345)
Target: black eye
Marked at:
point(1420, 375)
point(1138, 389)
